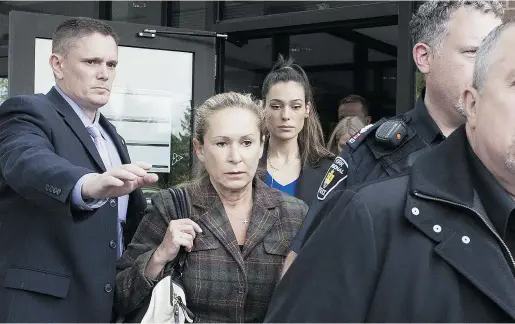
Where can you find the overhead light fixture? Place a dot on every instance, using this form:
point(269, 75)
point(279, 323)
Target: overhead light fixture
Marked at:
point(139, 4)
point(299, 48)
point(322, 6)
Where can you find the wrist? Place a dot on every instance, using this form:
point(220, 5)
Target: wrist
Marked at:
point(159, 257)
point(86, 195)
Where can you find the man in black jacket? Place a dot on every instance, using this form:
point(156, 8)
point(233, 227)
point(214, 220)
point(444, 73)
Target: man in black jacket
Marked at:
point(445, 35)
point(431, 245)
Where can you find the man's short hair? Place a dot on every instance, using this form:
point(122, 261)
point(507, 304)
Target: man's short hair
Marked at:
point(356, 99)
point(429, 24)
point(71, 30)
point(484, 55)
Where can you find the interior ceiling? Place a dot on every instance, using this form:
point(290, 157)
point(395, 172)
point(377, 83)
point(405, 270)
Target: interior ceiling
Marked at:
point(311, 49)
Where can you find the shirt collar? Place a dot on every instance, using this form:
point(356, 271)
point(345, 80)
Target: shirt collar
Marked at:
point(78, 110)
point(424, 123)
point(497, 202)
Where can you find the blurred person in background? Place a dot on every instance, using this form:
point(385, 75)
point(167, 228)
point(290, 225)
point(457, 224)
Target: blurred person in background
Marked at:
point(346, 128)
point(354, 105)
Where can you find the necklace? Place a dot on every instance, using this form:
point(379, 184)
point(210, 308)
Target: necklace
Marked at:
point(245, 220)
point(272, 166)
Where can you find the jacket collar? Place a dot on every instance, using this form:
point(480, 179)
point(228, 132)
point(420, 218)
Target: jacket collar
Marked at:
point(420, 119)
point(444, 172)
point(76, 124)
point(212, 215)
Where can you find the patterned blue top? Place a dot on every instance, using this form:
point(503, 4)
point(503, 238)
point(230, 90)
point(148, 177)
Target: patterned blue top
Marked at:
point(288, 189)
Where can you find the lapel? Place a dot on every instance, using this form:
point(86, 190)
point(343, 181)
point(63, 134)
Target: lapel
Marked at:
point(264, 215)
point(213, 217)
point(309, 179)
point(76, 125)
point(117, 140)
point(445, 174)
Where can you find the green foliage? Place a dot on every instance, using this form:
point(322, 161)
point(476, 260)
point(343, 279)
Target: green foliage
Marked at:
point(181, 145)
point(420, 83)
point(4, 86)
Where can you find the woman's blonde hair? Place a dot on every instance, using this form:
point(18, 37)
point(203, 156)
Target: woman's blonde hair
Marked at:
point(311, 137)
point(348, 125)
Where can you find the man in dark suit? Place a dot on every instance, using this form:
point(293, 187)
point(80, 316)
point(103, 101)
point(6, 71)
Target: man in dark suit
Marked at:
point(67, 187)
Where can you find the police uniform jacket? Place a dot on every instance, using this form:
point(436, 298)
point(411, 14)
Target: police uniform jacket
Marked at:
point(365, 159)
point(418, 247)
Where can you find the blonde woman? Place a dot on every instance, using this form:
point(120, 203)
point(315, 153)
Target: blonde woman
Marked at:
point(239, 231)
point(346, 128)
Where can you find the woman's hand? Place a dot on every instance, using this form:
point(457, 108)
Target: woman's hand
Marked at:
point(180, 232)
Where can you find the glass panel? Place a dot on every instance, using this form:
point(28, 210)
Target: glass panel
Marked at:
point(246, 9)
point(420, 83)
point(140, 12)
point(188, 14)
point(4, 86)
point(65, 8)
point(247, 65)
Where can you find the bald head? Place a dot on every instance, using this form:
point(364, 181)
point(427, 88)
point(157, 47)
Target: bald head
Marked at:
point(495, 44)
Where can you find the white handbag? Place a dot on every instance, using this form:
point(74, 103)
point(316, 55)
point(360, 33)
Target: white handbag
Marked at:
point(168, 304)
point(168, 301)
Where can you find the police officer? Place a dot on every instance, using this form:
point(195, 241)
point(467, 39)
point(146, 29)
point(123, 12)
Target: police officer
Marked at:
point(439, 246)
point(446, 35)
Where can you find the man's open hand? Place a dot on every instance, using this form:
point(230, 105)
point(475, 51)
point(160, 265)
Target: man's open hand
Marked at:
point(118, 181)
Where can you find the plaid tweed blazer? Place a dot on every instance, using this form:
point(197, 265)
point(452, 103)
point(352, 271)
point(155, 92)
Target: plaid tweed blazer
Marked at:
point(222, 283)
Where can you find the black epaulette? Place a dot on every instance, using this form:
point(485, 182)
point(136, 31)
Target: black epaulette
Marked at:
point(355, 141)
point(388, 134)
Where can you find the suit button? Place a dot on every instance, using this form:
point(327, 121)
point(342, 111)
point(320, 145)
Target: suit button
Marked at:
point(112, 244)
point(112, 203)
point(108, 288)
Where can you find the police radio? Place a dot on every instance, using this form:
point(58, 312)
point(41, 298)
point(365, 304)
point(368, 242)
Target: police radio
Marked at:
point(391, 133)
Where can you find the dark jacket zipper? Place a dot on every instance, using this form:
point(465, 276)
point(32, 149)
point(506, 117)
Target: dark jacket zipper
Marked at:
point(492, 230)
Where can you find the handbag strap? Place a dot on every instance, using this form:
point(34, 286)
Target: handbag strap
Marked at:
point(180, 201)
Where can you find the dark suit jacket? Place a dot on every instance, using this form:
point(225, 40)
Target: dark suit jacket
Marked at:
point(57, 263)
point(221, 283)
point(309, 179)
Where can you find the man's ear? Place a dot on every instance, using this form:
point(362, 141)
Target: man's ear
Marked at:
point(368, 120)
point(470, 98)
point(422, 57)
point(56, 63)
point(199, 149)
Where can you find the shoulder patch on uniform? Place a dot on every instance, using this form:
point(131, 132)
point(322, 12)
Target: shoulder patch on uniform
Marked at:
point(337, 172)
point(356, 139)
